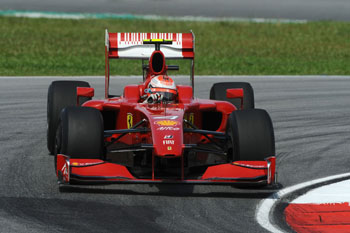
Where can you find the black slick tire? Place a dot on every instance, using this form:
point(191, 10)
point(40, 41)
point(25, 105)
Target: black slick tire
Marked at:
point(80, 133)
point(60, 95)
point(252, 135)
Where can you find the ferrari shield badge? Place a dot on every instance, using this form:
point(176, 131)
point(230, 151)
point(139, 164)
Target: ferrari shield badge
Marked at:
point(129, 120)
point(191, 118)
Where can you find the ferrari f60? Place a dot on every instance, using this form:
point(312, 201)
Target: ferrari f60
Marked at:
point(129, 139)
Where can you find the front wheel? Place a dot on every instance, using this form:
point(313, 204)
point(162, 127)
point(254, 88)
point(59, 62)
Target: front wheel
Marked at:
point(80, 133)
point(61, 94)
point(251, 135)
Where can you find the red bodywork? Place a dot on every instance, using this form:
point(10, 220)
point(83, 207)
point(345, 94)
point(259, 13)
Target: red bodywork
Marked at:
point(173, 137)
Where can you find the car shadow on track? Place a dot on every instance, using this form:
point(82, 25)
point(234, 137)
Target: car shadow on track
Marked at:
point(177, 190)
point(46, 214)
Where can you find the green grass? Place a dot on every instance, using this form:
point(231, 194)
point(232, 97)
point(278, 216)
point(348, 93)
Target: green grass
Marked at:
point(76, 47)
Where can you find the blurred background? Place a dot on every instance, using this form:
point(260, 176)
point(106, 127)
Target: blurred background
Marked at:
point(291, 9)
point(233, 37)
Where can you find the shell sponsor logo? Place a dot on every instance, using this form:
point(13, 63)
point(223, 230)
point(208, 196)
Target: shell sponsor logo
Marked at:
point(166, 123)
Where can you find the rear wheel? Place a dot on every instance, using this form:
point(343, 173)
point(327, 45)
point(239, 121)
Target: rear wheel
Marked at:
point(251, 134)
point(80, 133)
point(218, 92)
point(60, 95)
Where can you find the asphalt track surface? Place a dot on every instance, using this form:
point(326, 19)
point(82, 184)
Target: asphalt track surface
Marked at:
point(312, 129)
point(292, 9)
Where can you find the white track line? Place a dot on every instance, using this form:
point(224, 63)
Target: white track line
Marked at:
point(265, 206)
point(338, 192)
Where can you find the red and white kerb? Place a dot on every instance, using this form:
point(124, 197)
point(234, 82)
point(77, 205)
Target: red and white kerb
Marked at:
point(325, 209)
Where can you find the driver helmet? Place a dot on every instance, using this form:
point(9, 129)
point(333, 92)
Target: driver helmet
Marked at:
point(163, 85)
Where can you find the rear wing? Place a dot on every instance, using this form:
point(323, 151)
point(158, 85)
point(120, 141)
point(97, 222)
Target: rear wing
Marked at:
point(124, 45)
point(130, 45)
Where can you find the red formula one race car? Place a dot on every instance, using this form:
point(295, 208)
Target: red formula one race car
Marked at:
point(157, 131)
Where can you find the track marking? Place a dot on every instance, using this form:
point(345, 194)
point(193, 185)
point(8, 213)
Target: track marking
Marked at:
point(338, 192)
point(265, 206)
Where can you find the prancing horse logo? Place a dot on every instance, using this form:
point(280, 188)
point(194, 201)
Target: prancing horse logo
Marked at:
point(129, 120)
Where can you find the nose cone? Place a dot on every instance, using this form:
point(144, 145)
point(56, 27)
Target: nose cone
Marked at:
point(167, 134)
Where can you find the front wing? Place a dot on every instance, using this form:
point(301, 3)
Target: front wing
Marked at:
point(98, 171)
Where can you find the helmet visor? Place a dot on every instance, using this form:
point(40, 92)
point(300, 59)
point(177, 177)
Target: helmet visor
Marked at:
point(168, 96)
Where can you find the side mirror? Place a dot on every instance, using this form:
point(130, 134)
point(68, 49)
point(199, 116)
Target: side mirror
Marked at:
point(85, 92)
point(235, 93)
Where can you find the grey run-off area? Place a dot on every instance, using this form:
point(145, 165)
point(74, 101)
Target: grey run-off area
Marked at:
point(312, 129)
point(270, 9)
